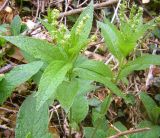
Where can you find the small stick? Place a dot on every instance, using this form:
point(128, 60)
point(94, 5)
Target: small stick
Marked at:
point(96, 6)
point(156, 42)
point(116, 10)
point(8, 110)
point(5, 127)
point(5, 119)
point(115, 128)
point(4, 4)
point(101, 42)
point(6, 68)
point(37, 12)
point(129, 132)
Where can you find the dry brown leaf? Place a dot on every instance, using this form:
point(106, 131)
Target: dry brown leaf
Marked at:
point(53, 131)
point(18, 55)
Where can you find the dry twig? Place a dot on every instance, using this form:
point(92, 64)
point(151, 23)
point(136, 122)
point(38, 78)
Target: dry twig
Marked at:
point(5, 127)
point(4, 4)
point(96, 6)
point(8, 110)
point(6, 68)
point(129, 132)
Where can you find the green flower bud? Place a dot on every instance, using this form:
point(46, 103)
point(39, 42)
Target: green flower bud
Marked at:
point(81, 24)
point(55, 14)
point(93, 38)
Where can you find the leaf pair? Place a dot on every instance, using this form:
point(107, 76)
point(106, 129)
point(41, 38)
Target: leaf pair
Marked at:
point(139, 63)
point(97, 72)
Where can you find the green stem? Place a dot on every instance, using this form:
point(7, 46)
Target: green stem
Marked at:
point(120, 68)
point(115, 82)
point(96, 128)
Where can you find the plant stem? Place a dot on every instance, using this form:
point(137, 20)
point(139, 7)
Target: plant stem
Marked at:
point(115, 82)
point(96, 128)
point(119, 70)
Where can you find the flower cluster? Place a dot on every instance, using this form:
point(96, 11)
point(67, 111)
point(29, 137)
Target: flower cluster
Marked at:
point(135, 16)
point(137, 19)
point(54, 16)
point(81, 24)
point(122, 11)
point(60, 33)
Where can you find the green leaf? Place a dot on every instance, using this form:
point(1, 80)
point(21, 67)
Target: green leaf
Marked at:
point(16, 25)
point(105, 105)
point(94, 101)
point(79, 109)
point(90, 130)
point(30, 122)
point(85, 86)
point(151, 107)
point(3, 28)
point(1, 77)
point(139, 63)
point(16, 76)
point(37, 48)
point(52, 77)
point(90, 75)
point(23, 27)
point(95, 66)
point(99, 121)
point(78, 40)
point(112, 38)
point(67, 90)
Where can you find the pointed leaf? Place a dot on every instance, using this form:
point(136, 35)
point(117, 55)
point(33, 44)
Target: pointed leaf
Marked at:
point(112, 38)
point(95, 66)
point(90, 75)
point(140, 63)
point(105, 105)
point(78, 40)
point(52, 77)
point(30, 122)
point(67, 90)
point(16, 25)
point(79, 109)
point(151, 107)
point(16, 76)
point(37, 48)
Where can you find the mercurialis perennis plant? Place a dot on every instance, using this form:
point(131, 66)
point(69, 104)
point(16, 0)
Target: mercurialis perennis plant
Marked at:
point(66, 76)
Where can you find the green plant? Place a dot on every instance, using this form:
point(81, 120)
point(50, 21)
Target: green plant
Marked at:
point(65, 73)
